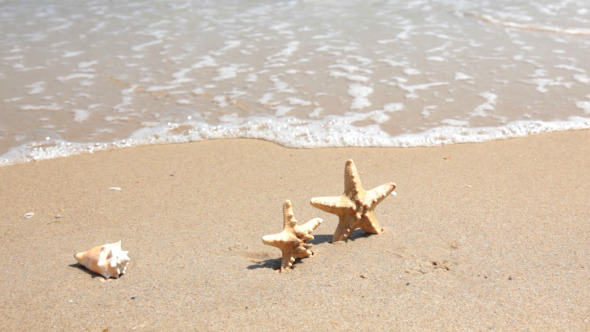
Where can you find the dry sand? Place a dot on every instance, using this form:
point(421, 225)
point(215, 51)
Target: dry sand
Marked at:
point(481, 236)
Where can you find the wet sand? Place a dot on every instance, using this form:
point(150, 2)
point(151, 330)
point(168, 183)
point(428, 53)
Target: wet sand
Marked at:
point(480, 236)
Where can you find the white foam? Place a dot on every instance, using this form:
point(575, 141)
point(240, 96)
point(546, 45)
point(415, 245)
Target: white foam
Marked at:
point(286, 52)
point(582, 78)
point(316, 112)
point(487, 106)
point(64, 26)
point(349, 76)
point(206, 61)
point(331, 131)
point(393, 107)
point(221, 100)
point(584, 105)
point(436, 58)
point(282, 110)
point(305, 68)
point(459, 76)
point(266, 99)
point(70, 54)
point(426, 111)
point(280, 85)
point(543, 83)
point(455, 122)
point(75, 76)
point(359, 93)
point(159, 88)
point(81, 115)
point(298, 101)
point(50, 107)
point(532, 27)
point(412, 71)
point(229, 44)
point(86, 64)
point(13, 99)
point(180, 76)
point(252, 78)
point(140, 47)
point(184, 101)
point(412, 89)
point(36, 87)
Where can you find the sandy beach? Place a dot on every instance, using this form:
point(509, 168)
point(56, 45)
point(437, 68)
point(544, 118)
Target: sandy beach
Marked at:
point(486, 236)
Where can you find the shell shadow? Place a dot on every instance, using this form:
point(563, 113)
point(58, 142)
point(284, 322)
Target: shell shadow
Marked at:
point(82, 268)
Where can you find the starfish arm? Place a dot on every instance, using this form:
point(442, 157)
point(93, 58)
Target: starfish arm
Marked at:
point(301, 252)
point(272, 240)
point(307, 228)
point(288, 216)
point(281, 240)
point(334, 204)
point(287, 260)
point(370, 224)
point(352, 181)
point(307, 237)
point(378, 194)
point(345, 227)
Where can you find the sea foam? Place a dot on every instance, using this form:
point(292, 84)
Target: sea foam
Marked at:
point(330, 131)
point(302, 74)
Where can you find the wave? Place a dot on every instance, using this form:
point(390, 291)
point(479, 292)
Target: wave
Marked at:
point(530, 27)
point(331, 131)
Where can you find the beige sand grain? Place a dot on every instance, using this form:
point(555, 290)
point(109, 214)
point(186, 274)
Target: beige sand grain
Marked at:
point(481, 236)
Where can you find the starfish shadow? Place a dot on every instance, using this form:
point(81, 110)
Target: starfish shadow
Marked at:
point(359, 234)
point(326, 238)
point(322, 238)
point(273, 263)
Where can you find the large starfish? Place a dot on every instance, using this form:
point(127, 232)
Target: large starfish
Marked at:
point(292, 239)
point(355, 207)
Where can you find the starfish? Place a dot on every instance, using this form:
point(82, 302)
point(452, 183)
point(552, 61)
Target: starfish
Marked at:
point(292, 239)
point(355, 207)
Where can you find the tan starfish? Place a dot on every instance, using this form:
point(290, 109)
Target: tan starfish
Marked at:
point(292, 239)
point(355, 207)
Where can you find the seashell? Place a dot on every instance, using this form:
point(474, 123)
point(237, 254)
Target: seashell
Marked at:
point(107, 260)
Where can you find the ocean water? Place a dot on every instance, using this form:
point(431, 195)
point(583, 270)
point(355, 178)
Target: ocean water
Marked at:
point(94, 75)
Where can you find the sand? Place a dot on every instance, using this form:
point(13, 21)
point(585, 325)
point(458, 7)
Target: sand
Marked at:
point(484, 236)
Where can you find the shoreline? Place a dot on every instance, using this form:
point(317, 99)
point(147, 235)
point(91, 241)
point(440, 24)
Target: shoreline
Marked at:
point(479, 236)
point(314, 134)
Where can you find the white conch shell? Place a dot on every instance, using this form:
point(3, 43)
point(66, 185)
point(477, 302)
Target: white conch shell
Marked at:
point(107, 260)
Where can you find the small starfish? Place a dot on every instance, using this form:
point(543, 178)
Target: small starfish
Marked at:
point(355, 207)
point(292, 239)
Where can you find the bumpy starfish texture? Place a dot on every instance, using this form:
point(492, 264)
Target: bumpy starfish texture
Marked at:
point(355, 208)
point(292, 239)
